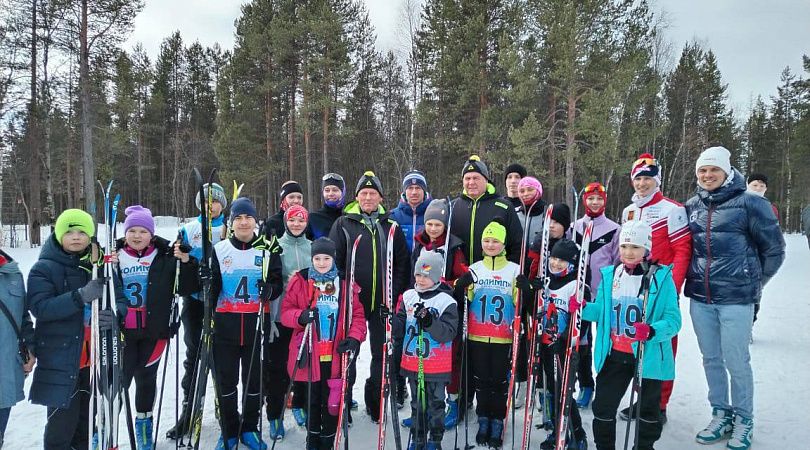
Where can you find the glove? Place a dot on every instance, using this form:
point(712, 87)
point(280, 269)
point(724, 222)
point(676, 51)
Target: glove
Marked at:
point(558, 346)
point(307, 316)
point(537, 283)
point(335, 384)
point(106, 318)
point(205, 274)
point(462, 283)
point(273, 334)
point(573, 304)
point(385, 312)
point(349, 344)
point(423, 316)
point(644, 332)
point(523, 283)
point(92, 290)
point(265, 290)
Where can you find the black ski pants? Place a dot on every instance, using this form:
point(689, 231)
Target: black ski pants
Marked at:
point(611, 384)
point(192, 319)
point(376, 339)
point(585, 367)
point(322, 425)
point(276, 378)
point(141, 361)
point(554, 381)
point(229, 361)
point(66, 428)
point(490, 371)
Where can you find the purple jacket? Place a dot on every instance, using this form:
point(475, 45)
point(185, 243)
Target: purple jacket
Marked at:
point(604, 247)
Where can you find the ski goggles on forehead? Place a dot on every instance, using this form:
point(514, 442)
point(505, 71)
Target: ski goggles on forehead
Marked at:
point(593, 188)
point(645, 161)
point(332, 176)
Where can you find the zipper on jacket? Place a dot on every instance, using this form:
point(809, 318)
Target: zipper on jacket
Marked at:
point(374, 268)
point(413, 230)
point(472, 231)
point(708, 253)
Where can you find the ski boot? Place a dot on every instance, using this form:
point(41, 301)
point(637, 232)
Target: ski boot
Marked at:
point(495, 433)
point(741, 434)
point(253, 441)
point(719, 428)
point(277, 429)
point(482, 437)
point(355, 406)
point(451, 415)
point(300, 416)
point(143, 431)
point(550, 443)
point(222, 445)
point(407, 422)
point(585, 396)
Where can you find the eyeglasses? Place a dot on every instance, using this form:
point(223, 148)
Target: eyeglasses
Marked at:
point(332, 176)
point(645, 161)
point(594, 187)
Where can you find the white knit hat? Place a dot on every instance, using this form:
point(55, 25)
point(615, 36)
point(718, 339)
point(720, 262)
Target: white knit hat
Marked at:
point(715, 156)
point(637, 233)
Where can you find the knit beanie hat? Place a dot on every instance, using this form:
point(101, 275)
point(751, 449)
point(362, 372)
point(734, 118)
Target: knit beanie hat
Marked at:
point(414, 178)
point(756, 176)
point(495, 230)
point(594, 189)
point(715, 156)
point(288, 188)
point(295, 211)
point(369, 181)
point(561, 213)
point(73, 219)
point(429, 264)
point(566, 250)
point(637, 233)
point(216, 192)
point(646, 166)
point(243, 205)
point(138, 216)
point(515, 168)
point(324, 246)
point(438, 210)
point(474, 164)
point(533, 182)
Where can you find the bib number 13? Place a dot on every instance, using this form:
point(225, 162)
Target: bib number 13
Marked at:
point(492, 309)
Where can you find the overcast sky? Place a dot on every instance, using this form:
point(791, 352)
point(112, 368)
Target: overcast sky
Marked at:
point(754, 40)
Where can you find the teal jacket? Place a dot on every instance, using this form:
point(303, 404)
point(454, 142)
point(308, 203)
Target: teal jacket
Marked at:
point(663, 315)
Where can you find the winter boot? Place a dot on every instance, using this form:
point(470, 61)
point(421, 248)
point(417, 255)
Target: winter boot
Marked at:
point(372, 396)
point(663, 417)
point(482, 437)
point(719, 428)
point(627, 412)
point(277, 429)
point(451, 414)
point(355, 406)
point(253, 441)
point(519, 395)
point(181, 427)
point(300, 416)
point(407, 422)
point(221, 445)
point(585, 396)
point(143, 431)
point(550, 443)
point(496, 433)
point(741, 434)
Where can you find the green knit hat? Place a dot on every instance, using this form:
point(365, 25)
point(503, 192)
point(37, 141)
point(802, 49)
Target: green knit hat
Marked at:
point(495, 230)
point(73, 219)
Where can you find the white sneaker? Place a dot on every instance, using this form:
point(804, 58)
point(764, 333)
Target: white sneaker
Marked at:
point(719, 428)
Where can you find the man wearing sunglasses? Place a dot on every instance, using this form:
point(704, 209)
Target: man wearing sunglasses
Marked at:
point(671, 238)
point(333, 191)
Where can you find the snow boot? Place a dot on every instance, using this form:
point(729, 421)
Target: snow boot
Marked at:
point(585, 396)
point(626, 412)
point(550, 443)
point(253, 441)
point(519, 395)
point(143, 431)
point(663, 417)
point(495, 433)
point(407, 422)
point(300, 416)
point(742, 433)
point(179, 429)
point(719, 428)
point(221, 445)
point(451, 414)
point(482, 437)
point(277, 429)
point(355, 406)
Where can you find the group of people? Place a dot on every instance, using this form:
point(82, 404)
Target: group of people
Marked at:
point(449, 278)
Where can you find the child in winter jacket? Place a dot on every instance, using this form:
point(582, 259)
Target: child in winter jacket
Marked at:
point(427, 321)
point(16, 339)
point(433, 238)
point(562, 286)
point(623, 323)
point(246, 275)
point(327, 318)
point(147, 265)
point(492, 285)
point(61, 289)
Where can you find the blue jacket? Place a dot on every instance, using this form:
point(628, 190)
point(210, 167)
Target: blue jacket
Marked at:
point(663, 315)
point(54, 301)
point(737, 245)
point(12, 294)
point(410, 220)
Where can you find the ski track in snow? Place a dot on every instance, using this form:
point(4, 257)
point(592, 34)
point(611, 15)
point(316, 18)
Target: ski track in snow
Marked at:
point(779, 356)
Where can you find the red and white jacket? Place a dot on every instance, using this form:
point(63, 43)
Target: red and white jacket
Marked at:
point(671, 238)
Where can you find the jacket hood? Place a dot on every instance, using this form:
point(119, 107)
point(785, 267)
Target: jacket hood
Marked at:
point(443, 288)
point(727, 191)
point(10, 267)
point(52, 251)
point(352, 210)
point(406, 208)
point(287, 238)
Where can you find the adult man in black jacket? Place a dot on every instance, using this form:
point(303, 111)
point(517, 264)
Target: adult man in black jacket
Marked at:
point(366, 217)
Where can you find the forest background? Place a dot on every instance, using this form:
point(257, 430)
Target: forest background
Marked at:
point(574, 90)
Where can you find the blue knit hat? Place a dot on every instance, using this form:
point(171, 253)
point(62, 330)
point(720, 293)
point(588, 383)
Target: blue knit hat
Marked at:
point(243, 205)
point(414, 178)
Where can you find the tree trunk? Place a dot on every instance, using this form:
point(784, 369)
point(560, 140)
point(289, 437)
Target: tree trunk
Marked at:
point(87, 131)
point(570, 148)
point(34, 184)
point(325, 125)
point(293, 115)
point(305, 109)
point(268, 148)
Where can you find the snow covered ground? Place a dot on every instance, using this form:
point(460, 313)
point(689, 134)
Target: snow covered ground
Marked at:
point(780, 355)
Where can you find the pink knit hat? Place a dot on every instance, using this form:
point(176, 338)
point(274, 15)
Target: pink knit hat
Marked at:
point(533, 182)
point(138, 216)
